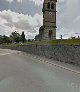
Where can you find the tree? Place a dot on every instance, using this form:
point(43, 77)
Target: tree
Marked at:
point(23, 37)
point(15, 37)
point(6, 39)
point(1, 39)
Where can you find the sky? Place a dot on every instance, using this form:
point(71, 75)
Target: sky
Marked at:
point(27, 16)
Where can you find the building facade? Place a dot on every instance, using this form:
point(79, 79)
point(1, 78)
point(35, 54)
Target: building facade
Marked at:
point(49, 19)
point(39, 37)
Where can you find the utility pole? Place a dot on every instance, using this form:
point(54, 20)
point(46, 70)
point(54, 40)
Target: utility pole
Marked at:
point(61, 37)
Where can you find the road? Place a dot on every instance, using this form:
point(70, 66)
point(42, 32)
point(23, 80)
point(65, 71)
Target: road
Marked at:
point(20, 72)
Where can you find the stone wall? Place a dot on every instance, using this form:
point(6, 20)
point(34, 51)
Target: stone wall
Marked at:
point(63, 53)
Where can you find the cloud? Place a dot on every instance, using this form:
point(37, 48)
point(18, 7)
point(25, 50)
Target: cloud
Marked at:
point(14, 21)
point(27, 15)
point(21, 6)
point(9, 1)
point(14, 0)
point(38, 2)
point(76, 23)
point(68, 17)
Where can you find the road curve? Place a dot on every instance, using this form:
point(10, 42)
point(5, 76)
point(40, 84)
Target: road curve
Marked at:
point(26, 73)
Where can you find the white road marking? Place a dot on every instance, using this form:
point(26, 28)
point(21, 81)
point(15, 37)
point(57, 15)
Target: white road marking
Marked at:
point(5, 54)
point(53, 64)
point(74, 71)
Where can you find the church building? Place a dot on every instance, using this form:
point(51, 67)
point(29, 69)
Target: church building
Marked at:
point(49, 21)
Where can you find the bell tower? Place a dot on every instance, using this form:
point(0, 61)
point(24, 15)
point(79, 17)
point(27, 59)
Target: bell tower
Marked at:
point(49, 19)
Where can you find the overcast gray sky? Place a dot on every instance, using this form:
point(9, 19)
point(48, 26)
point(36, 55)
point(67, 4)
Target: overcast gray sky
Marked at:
point(26, 15)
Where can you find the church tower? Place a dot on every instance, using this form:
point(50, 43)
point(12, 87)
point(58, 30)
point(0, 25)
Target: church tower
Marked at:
point(49, 19)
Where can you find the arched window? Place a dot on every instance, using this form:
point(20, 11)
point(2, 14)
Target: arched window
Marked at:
point(48, 5)
point(52, 6)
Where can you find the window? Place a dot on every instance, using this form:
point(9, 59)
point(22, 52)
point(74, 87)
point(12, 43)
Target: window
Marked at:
point(48, 5)
point(52, 6)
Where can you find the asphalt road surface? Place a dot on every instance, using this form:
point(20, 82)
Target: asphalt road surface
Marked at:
point(20, 72)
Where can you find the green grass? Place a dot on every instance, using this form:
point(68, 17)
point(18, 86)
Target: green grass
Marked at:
point(66, 42)
point(54, 42)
